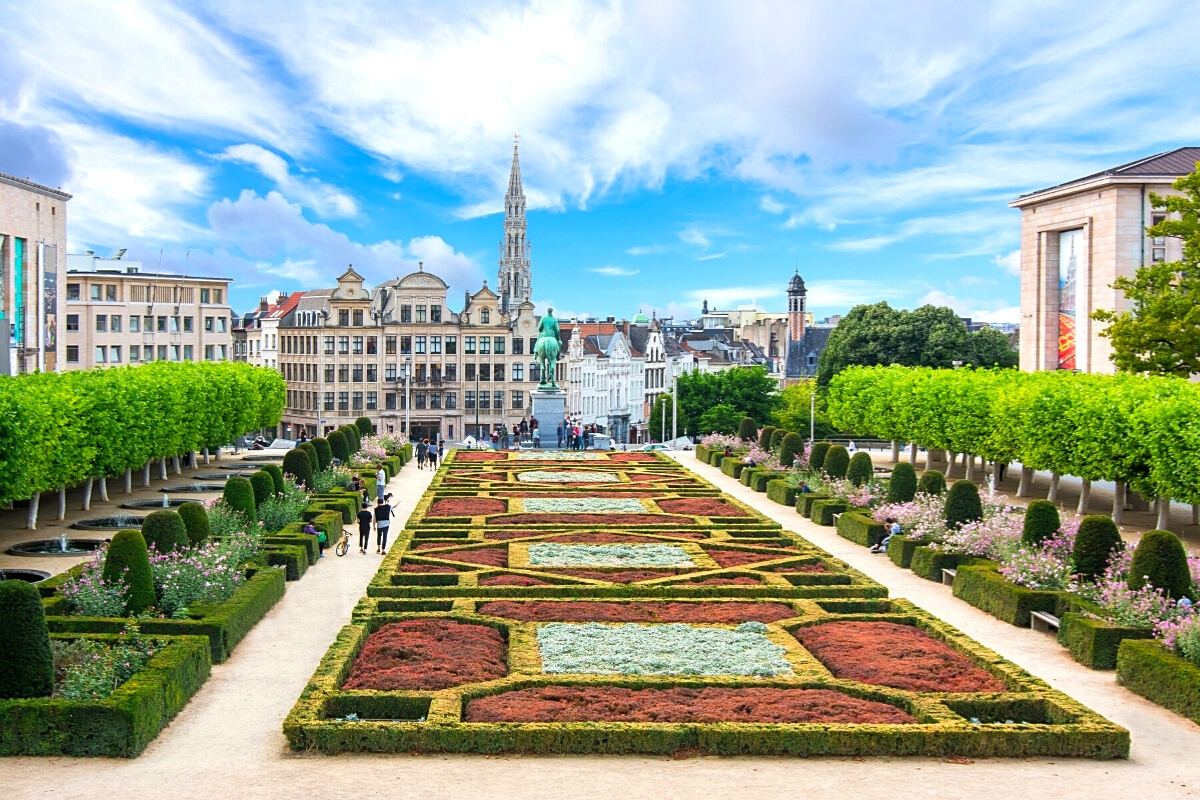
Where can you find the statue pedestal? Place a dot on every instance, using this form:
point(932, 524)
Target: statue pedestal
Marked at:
point(549, 406)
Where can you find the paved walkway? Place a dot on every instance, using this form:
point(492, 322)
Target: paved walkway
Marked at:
point(228, 741)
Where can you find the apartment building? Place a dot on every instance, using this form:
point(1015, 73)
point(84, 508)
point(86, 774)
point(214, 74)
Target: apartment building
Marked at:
point(115, 314)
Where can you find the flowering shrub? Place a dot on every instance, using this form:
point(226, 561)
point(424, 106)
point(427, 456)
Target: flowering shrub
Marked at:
point(209, 573)
point(369, 454)
point(1182, 634)
point(1037, 569)
point(89, 670)
point(865, 496)
point(281, 510)
point(995, 536)
point(1141, 608)
point(719, 441)
point(225, 521)
point(923, 517)
point(390, 444)
point(332, 478)
point(89, 595)
point(765, 458)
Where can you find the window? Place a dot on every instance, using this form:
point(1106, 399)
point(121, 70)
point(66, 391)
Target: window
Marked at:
point(532, 345)
point(435, 345)
point(470, 372)
point(372, 345)
point(358, 345)
point(389, 372)
point(451, 400)
point(420, 313)
point(1158, 219)
point(96, 291)
point(498, 400)
point(469, 345)
point(147, 324)
point(469, 400)
point(208, 352)
point(499, 342)
point(435, 372)
point(358, 373)
point(220, 324)
point(100, 354)
point(485, 401)
point(343, 373)
point(518, 346)
point(358, 401)
point(114, 354)
point(329, 373)
point(148, 353)
point(358, 317)
point(435, 313)
point(485, 372)
point(189, 353)
point(175, 352)
point(421, 373)
point(73, 294)
point(419, 400)
point(344, 317)
point(451, 345)
point(498, 372)
point(389, 401)
point(135, 353)
point(216, 295)
point(372, 401)
point(344, 345)
point(518, 373)
point(110, 293)
point(101, 322)
point(174, 324)
point(223, 352)
point(372, 373)
point(208, 324)
point(205, 294)
point(1159, 255)
point(135, 324)
point(485, 345)
point(518, 398)
point(187, 324)
point(420, 345)
point(451, 373)
point(435, 399)
point(114, 323)
point(72, 322)
point(405, 345)
point(73, 352)
point(343, 401)
point(329, 401)
point(328, 345)
point(485, 316)
point(535, 372)
point(405, 314)
point(389, 345)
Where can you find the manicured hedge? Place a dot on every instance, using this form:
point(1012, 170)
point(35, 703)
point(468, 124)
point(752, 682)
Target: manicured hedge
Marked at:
point(292, 557)
point(823, 511)
point(119, 726)
point(804, 502)
point(900, 550)
point(1093, 642)
point(985, 588)
point(782, 492)
point(859, 528)
point(1147, 668)
point(26, 664)
point(732, 466)
point(929, 562)
point(762, 477)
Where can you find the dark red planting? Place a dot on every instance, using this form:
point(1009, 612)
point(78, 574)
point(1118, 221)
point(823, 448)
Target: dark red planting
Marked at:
point(428, 654)
point(467, 507)
point(701, 506)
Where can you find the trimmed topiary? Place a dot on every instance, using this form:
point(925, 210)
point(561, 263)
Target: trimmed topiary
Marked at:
point(26, 663)
point(338, 446)
point(777, 439)
point(165, 530)
point(195, 519)
point(311, 452)
point(297, 464)
point(324, 453)
point(239, 493)
point(263, 485)
point(861, 470)
point(963, 504)
point(1097, 538)
point(352, 438)
point(276, 473)
point(932, 482)
point(127, 561)
point(365, 427)
point(837, 461)
point(789, 448)
point(816, 459)
point(764, 438)
point(1041, 522)
point(1160, 561)
point(902, 486)
point(747, 430)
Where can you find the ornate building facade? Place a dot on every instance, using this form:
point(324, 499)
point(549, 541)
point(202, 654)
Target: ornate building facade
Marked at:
point(516, 280)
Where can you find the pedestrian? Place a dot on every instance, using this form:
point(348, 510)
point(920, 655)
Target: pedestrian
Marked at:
point(533, 423)
point(524, 427)
point(537, 439)
point(891, 528)
point(422, 450)
point(495, 439)
point(365, 518)
point(560, 436)
point(431, 454)
point(852, 448)
point(383, 520)
point(380, 482)
point(442, 450)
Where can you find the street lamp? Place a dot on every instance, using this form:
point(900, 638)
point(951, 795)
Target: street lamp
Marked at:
point(478, 432)
point(674, 406)
point(407, 397)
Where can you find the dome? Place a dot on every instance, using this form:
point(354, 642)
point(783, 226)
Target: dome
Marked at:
point(640, 318)
point(797, 284)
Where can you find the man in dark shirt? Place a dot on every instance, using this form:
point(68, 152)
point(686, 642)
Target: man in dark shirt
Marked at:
point(364, 528)
point(383, 521)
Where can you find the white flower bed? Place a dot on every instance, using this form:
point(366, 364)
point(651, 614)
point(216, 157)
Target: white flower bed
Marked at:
point(676, 649)
point(550, 554)
point(558, 455)
point(583, 505)
point(567, 477)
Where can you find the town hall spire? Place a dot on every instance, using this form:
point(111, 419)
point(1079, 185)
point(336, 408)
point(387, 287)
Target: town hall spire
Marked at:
point(516, 284)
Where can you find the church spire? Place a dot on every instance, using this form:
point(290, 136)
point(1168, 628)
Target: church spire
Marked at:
point(515, 278)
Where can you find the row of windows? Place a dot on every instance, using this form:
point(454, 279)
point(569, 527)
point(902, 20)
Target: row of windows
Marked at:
point(406, 314)
point(111, 323)
point(408, 345)
point(110, 293)
point(111, 354)
point(357, 373)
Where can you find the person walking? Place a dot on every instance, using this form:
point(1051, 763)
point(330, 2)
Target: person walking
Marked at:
point(431, 454)
point(495, 439)
point(383, 521)
point(537, 439)
point(365, 518)
point(560, 436)
point(380, 483)
point(441, 450)
point(422, 450)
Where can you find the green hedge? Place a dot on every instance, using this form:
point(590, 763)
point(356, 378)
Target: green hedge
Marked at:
point(762, 477)
point(782, 492)
point(733, 466)
point(1093, 642)
point(804, 502)
point(928, 562)
point(859, 528)
point(823, 511)
point(119, 726)
point(900, 550)
point(703, 452)
point(347, 506)
point(984, 587)
point(1147, 668)
point(292, 557)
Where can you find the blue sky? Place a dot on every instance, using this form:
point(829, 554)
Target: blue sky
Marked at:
point(671, 152)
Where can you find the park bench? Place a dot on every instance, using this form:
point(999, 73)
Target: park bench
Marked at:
point(1041, 621)
point(948, 576)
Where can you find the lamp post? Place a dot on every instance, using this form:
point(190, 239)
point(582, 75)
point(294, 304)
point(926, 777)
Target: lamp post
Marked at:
point(674, 406)
point(478, 433)
point(407, 397)
point(812, 416)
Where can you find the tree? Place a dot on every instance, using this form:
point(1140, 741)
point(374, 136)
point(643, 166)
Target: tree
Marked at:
point(747, 430)
point(1161, 335)
point(990, 347)
point(795, 405)
point(127, 562)
point(26, 663)
point(660, 431)
point(749, 391)
point(792, 446)
point(1159, 560)
point(721, 418)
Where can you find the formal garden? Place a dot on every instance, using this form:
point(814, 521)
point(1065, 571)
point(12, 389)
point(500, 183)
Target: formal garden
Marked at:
point(618, 603)
point(97, 660)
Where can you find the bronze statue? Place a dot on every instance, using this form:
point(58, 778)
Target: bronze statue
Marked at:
point(547, 348)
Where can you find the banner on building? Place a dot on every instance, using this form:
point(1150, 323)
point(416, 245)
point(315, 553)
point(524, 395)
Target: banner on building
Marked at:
point(50, 304)
point(1070, 256)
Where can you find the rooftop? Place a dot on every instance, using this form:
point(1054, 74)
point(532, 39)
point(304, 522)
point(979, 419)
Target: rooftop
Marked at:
point(1169, 165)
point(25, 183)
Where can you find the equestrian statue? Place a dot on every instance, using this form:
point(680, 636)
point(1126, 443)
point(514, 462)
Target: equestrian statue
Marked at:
point(547, 348)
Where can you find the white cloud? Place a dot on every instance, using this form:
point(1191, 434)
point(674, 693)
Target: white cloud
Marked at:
point(975, 280)
point(647, 250)
point(728, 296)
point(710, 257)
point(995, 311)
point(614, 272)
point(770, 205)
point(326, 200)
point(1009, 262)
point(846, 293)
point(694, 236)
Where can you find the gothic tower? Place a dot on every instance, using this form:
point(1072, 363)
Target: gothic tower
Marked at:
point(796, 302)
point(516, 285)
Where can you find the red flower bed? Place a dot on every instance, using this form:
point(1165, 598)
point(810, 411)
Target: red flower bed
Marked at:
point(466, 507)
point(792, 568)
point(428, 654)
point(617, 576)
point(738, 558)
point(702, 506)
point(900, 656)
point(512, 580)
point(433, 545)
point(643, 477)
point(617, 704)
point(504, 536)
point(632, 457)
point(589, 519)
point(426, 568)
point(482, 455)
point(740, 580)
point(488, 557)
point(649, 611)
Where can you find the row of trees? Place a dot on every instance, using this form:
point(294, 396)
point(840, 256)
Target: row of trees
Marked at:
point(717, 402)
point(57, 430)
point(1139, 431)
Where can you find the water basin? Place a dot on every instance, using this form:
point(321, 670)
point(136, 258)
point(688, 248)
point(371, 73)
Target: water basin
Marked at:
point(193, 487)
point(27, 575)
point(117, 522)
point(151, 505)
point(61, 546)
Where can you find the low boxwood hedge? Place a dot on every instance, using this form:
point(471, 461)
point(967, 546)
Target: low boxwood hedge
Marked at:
point(823, 511)
point(900, 550)
point(292, 557)
point(1095, 642)
point(859, 528)
point(1147, 668)
point(984, 587)
point(702, 452)
point(119, 726)
point(732, 466)
point(762, 477)
point(293, 534)
point(347, 506)
point(804, 502)
point(928, 562)
point(782, 492)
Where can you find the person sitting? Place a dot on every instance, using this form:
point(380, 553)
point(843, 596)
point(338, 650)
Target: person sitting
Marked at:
point(890, 528)
point(322, 539)
point(804, 488)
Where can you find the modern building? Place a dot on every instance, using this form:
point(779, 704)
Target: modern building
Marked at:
point(1077, 238)
point(33, 243)
point(116, 314)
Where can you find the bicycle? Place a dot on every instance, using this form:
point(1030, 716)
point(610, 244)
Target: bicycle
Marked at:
point(343, 546)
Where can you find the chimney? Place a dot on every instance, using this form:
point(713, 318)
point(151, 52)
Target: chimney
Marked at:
point(262, 304)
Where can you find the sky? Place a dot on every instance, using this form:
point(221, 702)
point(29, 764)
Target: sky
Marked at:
point(671, 152)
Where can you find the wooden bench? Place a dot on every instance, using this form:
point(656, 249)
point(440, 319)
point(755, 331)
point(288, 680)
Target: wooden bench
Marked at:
point(835, 519)
point(948, 576)
point(1041, 621)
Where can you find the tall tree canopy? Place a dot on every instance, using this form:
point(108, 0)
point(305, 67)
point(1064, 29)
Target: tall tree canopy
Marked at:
point(748, 391)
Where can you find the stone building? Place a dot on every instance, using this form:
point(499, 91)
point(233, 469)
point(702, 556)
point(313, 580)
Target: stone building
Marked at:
point(33, 242)
point(1076, 239)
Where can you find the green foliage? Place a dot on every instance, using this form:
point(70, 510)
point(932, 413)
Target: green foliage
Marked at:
point(1041, 522)
point(932, 482)
point(764, 437)
point(353, 440)
point(777, 439)
point(781, 492)
point(837, 461)
point(816, 459)
point(859, 528)
point(276, 473)
point(1097, 538)
point(1160, 561)
point(311, 452)
point(861, 470)
point(26, 664)
point(795, 411)
point(126, 561)
point(165, 530)
point(339, 446)
point(297, 464)
point(986, 589)
point(365, 428)
point(1149, 669)
point(791, 446)
point(721, 418)
point(239, 494)
point(324, 452)
point(747, 430)
point(902, 486)
point(748, 391)
point(195, 519)
point(1094, 642)
point(263, 485)
point(963, 504)
point(660, 419)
